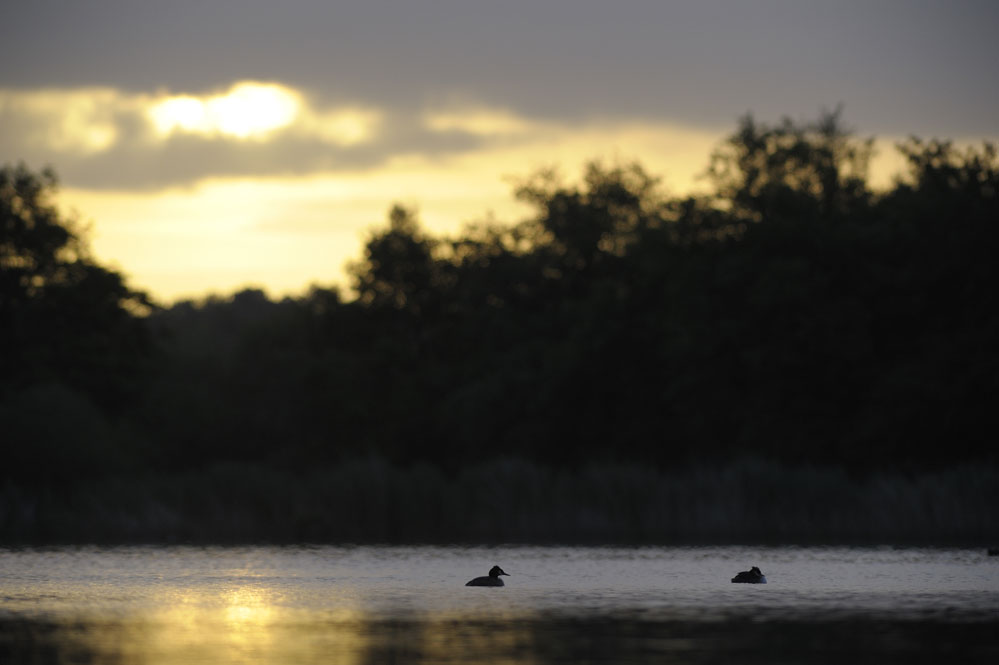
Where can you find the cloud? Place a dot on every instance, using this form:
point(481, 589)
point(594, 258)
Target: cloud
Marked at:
point(93, 120)
point(106, 138)
point(78, 121)
point(259, 112)
point(347, 126)
point(478, 121)
point(103, 137)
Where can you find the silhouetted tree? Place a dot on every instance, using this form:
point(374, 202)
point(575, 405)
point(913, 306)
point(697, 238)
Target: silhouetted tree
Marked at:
point(802, 172)
point(64, 317)
point(73, 345)
point(398, 267)
point(792, 313)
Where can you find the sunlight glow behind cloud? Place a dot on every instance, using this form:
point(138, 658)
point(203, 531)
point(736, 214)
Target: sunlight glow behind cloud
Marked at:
point(61, 125)
point(256, 111)
point(248, 110)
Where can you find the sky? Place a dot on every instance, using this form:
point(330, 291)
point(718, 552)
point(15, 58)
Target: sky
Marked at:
point(215, 145)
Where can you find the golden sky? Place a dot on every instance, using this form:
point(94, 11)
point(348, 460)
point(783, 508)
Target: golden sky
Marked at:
point(218, 145)
point(282, 231)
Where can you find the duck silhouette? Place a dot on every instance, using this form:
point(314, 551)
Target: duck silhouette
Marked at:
point(751, 576)
point(492, 579)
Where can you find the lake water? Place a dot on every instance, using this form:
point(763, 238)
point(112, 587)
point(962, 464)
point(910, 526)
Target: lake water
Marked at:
point(560, 605)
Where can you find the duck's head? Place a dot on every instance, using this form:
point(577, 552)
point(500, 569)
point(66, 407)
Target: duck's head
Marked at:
point(496, 571)
point(756, 571)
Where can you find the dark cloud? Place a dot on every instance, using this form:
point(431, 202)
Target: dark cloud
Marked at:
point(137, 159)
point(899, 67)
point(186, 159)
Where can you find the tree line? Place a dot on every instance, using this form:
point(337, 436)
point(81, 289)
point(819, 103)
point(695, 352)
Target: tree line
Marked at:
point(793, 313)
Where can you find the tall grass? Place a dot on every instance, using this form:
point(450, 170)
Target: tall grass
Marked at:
point(513, 500)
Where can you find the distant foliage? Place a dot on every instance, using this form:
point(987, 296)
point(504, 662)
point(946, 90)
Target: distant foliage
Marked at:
point(793, 314)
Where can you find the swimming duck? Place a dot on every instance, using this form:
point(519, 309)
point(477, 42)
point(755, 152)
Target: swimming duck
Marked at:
point(491, 580)
point(751, 576)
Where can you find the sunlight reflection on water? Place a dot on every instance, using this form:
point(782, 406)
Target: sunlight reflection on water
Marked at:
point(152, 605)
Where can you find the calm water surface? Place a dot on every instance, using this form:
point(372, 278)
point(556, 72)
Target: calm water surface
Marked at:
point(577, 604)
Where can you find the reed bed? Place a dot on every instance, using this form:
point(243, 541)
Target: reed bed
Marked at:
point(513, 501)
